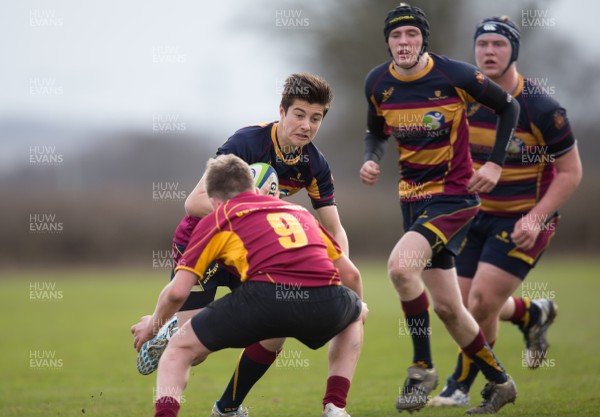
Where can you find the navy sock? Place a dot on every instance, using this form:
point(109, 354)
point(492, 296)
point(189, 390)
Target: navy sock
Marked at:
point(465, 372)
point(482, 354)
point(535, 314)
point(417, 321)
point(254, 361)
point(526, 313)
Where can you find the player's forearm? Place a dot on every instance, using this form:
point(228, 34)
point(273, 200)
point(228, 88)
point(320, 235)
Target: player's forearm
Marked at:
point(506, 108)
point(349, 275)
point(169, 302)
point(330, 219)
point(507, 121)
point(559, 191)
point(355, 284)
point(375, 147)
point(197, 204)
point(342, 239)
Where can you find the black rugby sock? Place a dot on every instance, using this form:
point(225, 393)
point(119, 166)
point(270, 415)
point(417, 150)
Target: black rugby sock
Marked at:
point(254, 361)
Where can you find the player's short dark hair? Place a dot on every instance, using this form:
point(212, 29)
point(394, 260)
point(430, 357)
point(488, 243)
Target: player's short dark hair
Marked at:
point(308, 87)
point(227, 176)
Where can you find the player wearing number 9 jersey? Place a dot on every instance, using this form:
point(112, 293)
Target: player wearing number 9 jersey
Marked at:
point(297, 167)
point(267, 242)
point(286, 145)
point(264, 239)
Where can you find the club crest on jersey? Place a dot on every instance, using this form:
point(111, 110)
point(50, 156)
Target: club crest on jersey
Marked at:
point(559, 119)
point(438, 95)
point(387, 94)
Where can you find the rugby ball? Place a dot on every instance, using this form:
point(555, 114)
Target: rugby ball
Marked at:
point(265, 179)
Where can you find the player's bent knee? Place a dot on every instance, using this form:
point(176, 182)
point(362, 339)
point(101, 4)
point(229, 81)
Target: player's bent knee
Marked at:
point(186, 341)
point(447, 313)
point(192, 354)
point(482, 308)
point(400, 276)
point(199, 359)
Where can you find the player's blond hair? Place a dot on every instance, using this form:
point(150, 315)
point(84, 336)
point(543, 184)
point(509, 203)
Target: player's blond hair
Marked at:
point(227, 176)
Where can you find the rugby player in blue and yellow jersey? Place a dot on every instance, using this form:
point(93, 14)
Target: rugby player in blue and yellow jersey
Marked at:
point(267, 242)
point(421, 100)
point(286, 145)
point(519, 216)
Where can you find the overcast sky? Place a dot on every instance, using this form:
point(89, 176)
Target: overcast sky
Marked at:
point(129, 62)
point(133, 62)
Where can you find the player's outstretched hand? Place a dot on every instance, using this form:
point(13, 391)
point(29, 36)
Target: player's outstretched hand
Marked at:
point(142, 332)
point(369, 172)
point(485, 178)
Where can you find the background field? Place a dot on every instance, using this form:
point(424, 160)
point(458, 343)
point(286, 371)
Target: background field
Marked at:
point(93, 373)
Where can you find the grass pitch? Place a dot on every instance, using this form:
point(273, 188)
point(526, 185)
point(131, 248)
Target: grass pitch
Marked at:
point(67, 350)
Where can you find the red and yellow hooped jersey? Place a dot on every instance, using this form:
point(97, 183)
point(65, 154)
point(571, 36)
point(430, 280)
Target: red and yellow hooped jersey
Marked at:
point(264, 239)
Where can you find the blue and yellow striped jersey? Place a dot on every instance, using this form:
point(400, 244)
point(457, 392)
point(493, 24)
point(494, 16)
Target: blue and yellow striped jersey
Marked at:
point(305, 168)
point(426, 113)
point(543, 134)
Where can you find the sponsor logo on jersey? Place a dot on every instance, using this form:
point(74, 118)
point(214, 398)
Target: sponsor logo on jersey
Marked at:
point(433, 120)
point(429, 125)
point(515, 146)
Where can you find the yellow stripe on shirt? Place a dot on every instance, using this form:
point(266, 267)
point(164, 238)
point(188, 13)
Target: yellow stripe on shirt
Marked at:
point(425, 156)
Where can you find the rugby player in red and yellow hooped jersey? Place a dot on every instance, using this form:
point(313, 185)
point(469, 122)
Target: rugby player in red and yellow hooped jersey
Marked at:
point(421, 99)
point(267, 242)
point(519, 216)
